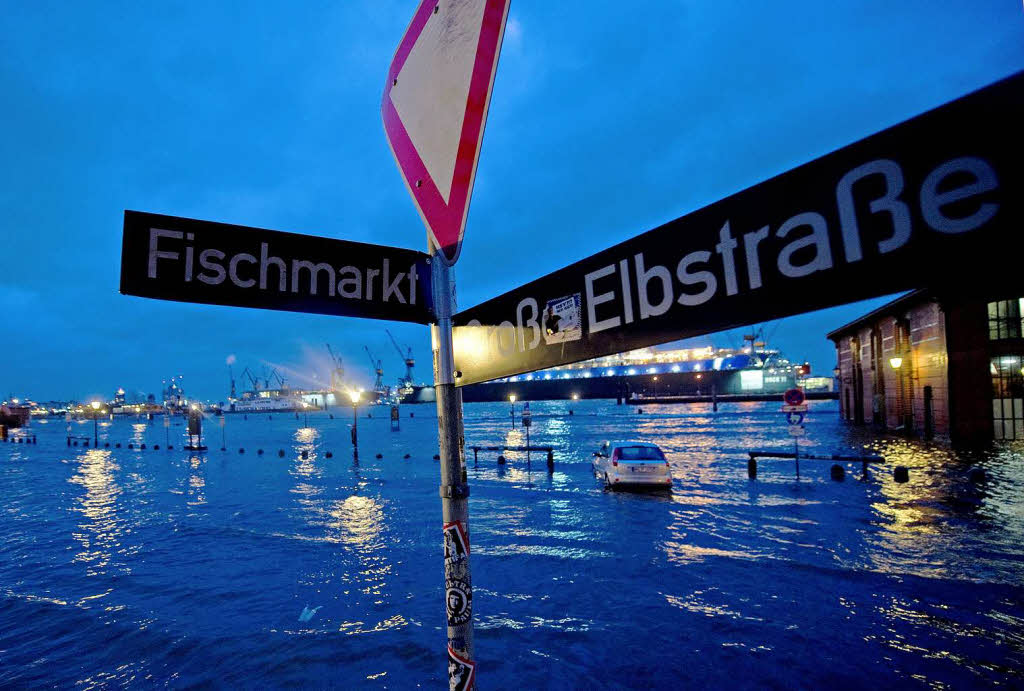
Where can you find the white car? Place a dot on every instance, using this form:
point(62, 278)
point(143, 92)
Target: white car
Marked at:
point(632, 464)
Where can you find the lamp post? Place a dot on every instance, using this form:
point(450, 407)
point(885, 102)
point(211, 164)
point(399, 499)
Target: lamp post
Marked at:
point(575, 397)
point(354, 395)
point(305, 414)
point(95, 422)
point(655, 386)
point(512, 400)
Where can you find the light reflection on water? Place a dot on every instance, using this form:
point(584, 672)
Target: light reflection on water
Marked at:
point(99, 532)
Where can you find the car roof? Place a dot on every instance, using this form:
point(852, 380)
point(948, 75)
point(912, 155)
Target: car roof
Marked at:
point(633, 443)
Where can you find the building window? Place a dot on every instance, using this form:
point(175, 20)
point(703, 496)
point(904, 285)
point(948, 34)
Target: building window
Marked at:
point(1007, 397)
point(1004, 319)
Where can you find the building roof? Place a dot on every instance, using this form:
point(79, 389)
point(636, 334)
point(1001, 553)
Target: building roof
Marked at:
point(890, 309)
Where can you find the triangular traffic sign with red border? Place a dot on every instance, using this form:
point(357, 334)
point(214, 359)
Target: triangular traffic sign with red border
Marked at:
point(435, 106)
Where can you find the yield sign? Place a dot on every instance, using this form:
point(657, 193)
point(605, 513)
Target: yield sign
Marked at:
point(435, 105)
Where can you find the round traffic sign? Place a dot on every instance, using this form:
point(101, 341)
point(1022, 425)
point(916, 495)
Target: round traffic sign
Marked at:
point(795, 418)
point(793, 397)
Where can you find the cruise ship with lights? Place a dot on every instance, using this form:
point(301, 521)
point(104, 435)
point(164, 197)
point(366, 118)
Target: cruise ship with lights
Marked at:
point(649, 372)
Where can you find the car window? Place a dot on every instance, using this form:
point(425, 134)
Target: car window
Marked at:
point(640, 453)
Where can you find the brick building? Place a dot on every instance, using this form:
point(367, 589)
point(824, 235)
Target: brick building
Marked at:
point(935, 364)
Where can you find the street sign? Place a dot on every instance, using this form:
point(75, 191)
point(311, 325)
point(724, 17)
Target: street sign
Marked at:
point(793, 397)
point(924, 202)
point(797, 430)
point(802, 408)
point(186, 260)
point(435, 106)
point(795, 418)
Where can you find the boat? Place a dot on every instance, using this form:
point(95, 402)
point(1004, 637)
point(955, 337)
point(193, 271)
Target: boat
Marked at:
point(650, 373)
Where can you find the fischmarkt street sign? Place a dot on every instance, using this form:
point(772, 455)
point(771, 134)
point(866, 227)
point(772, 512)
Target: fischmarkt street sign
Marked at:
point(933, 201)
point(182, 259)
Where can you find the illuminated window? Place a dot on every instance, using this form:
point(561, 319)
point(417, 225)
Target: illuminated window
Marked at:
point(1007, 397)
point(1004, 319)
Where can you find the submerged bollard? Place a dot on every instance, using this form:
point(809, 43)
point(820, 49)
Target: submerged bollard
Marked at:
point(305, 455)
point(976, 475)
point(259, 452)
point(837, 472)
point(752, 468)
point(142, 446)
point(131, 446)
point(405, 456)
point(328, 454)
point(241, 451)
point(280, 453)
point(551, 459)
point(380, 455)
point(156, 447)
point(117, 445)
point(900, 473)
point(501, 459)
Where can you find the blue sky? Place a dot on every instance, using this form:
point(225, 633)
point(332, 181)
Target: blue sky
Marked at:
point(608, 118)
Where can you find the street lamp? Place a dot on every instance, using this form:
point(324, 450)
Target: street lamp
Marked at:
point(655, 387)
point(305, 414)
point(95, 417)
point(512, 400)
point(896, 362)
point(354, 395)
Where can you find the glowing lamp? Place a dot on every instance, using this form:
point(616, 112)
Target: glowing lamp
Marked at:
point(896, 362)
point(512, 398)
point(95, 405)
point(354, 395)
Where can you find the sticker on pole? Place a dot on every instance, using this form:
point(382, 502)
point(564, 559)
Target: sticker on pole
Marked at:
point(435, 106)
point(797, 430)
point(793, 397)
point(461, 671)
point(562, 320)
point(456, 542)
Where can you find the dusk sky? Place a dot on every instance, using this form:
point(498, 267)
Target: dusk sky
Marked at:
point(607, 119)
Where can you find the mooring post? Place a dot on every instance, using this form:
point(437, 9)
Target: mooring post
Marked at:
point(796, 455)
point(454, 486)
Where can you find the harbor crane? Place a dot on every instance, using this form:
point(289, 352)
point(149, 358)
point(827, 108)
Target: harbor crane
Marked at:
point(410, 362)
point(337, 372)
point(252, 379)
point(282, 383)
point(378, 367)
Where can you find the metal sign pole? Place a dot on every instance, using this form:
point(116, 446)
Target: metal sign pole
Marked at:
point(454, 488)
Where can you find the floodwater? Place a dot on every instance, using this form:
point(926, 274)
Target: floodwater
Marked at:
point(130, 567)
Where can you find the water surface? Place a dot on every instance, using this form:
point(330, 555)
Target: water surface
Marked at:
point(152, 567)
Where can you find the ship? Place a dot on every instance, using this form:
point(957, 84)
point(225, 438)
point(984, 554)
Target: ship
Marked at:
point(649, 373)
